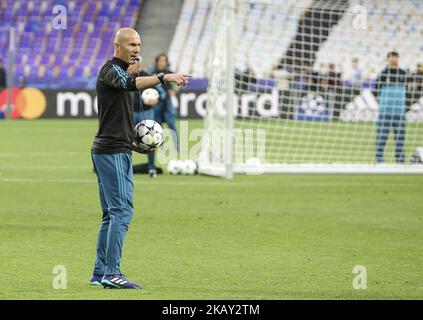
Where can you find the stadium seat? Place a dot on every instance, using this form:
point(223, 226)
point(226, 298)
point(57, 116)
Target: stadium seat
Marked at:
point(88, 37)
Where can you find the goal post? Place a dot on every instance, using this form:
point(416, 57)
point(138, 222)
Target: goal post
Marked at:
point(230, 70)
point(293, 87)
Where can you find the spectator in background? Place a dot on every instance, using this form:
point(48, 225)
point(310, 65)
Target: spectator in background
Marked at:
point(165, 112)
point(415, 83)
point(312, 76)
point(333, 77)
point(334, 90)
point(144, 111)
point(56, 72)
point(391, 94)
point(299, 80)
point(354, 75)
point(3, 81)
point(243, 79)
point(21, 82)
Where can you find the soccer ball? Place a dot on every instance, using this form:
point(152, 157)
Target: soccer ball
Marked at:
point(189, 167)
point(148, 135)
point(253, 161)
point(174, 167)
point(150, 96)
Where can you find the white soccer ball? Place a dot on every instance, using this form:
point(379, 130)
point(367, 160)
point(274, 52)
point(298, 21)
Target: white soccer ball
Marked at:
point(174, 167)
point(253, 166)
point(150, 96)
point(253, 161)
point(189, 167)
point(148, 135)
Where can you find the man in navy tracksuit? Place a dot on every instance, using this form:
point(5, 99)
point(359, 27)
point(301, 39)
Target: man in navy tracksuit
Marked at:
point(111, 154)
point(391, 93)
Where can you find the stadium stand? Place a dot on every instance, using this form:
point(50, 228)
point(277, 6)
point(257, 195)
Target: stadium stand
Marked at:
point(192, 39)
point(52, 58)
point(391, 26)
point(159, 17)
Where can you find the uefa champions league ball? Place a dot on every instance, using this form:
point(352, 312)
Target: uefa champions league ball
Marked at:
point(148, 135)
point(149, 95)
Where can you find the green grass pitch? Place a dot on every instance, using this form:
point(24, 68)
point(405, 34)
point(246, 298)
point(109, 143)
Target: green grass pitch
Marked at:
point(197, 237)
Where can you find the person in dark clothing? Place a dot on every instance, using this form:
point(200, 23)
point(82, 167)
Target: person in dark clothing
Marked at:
point(391, 94)
point(415, 84)
point(165, 111)
point(3, 77)
point(112, 154)
point(333, 77)
point(244, 79)
point(21, 82)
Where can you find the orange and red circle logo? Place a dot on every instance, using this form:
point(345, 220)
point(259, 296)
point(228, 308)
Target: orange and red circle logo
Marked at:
point(28, 103)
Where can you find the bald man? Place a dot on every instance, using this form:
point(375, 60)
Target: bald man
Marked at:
point(111, 154)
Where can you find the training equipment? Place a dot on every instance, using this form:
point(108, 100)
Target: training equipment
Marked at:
point(148, 135)
point(149, 95)
point(299, 99)
point(417, 157)
point(189, 167)
point(174, 166)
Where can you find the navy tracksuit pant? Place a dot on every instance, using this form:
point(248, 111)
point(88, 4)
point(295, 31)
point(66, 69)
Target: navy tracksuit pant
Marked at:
point(386, 121)
point(116, 187)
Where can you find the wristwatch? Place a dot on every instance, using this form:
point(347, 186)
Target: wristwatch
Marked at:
point(160, 76)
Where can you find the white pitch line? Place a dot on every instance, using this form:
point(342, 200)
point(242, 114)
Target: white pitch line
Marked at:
point(43, 168)
point(85, 181)
point(221, 183)
point(29, 180)
point(43, 153)
point(55, 130)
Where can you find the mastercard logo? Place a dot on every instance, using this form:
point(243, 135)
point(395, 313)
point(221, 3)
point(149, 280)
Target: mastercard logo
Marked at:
point(28, 103)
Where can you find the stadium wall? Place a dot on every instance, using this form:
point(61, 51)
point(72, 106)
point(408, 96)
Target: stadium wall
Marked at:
point(269, 102)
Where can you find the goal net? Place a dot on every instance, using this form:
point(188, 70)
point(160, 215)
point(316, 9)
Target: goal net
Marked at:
point(306, 87)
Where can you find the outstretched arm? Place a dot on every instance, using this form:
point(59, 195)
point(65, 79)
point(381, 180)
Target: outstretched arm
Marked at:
point(180, 79)
point(117, 78)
